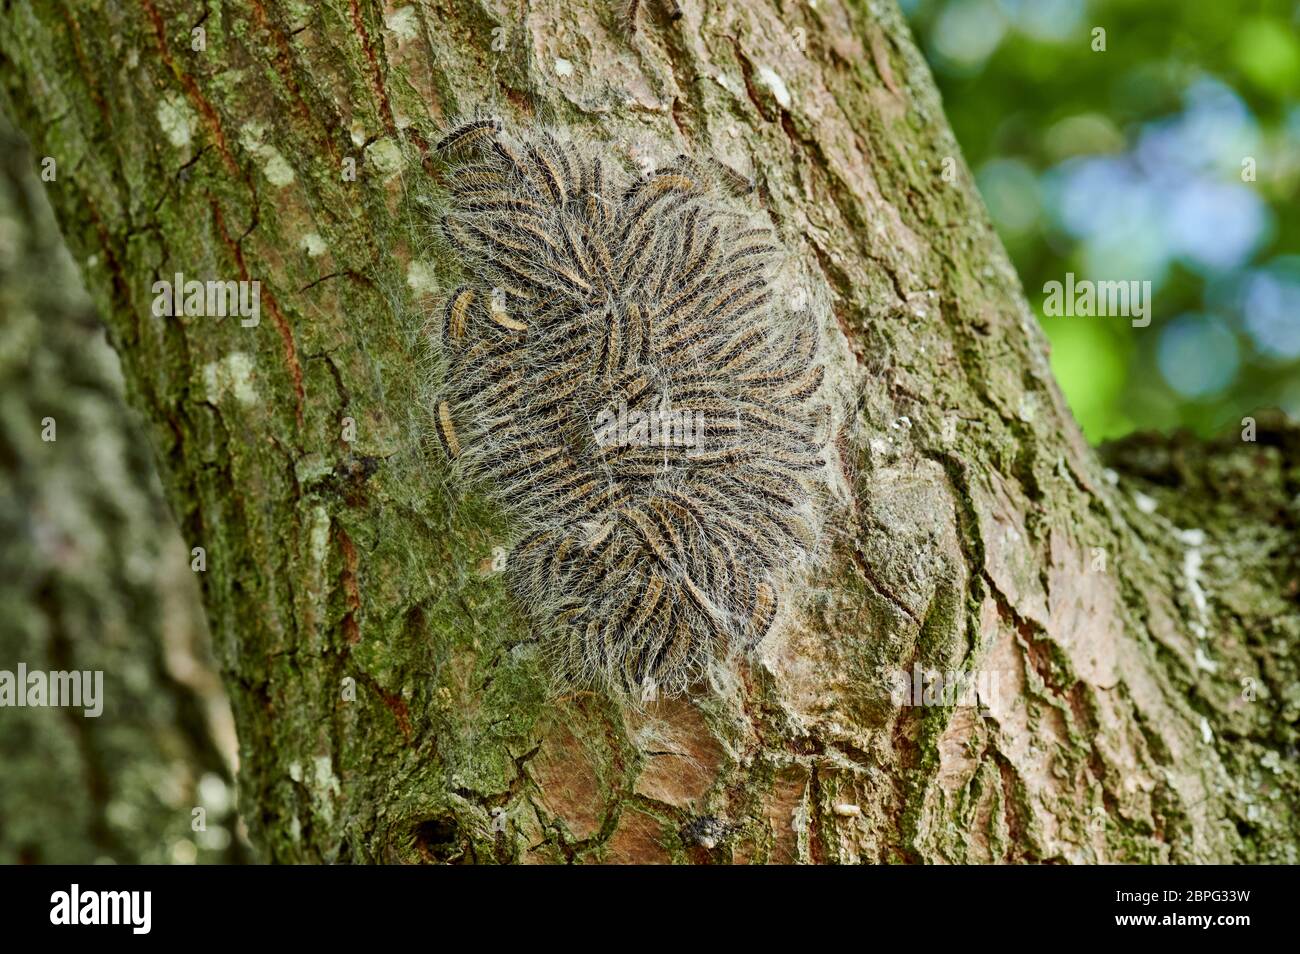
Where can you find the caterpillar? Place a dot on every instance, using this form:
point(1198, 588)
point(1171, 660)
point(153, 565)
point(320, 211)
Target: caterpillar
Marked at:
point(620, 375)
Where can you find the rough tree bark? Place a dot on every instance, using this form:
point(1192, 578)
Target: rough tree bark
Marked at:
point(1147, 698)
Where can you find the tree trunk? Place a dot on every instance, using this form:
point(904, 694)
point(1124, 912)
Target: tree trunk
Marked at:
point(1137, 628)
point(93, 578)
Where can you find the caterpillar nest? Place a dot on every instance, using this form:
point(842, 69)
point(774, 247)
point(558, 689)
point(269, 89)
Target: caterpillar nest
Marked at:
point(621, 374)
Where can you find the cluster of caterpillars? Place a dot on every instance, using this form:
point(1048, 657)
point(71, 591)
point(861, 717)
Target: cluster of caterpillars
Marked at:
point(589, 290)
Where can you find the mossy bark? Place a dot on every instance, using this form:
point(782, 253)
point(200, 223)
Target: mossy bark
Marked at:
point(389, 699)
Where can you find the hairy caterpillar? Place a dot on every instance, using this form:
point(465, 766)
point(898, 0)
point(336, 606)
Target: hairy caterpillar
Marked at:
point(620, 375)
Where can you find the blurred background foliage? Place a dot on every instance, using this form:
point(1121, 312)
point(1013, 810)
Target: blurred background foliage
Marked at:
point(1135, 163)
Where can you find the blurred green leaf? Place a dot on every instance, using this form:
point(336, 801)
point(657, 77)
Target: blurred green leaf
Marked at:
point(1267, 53)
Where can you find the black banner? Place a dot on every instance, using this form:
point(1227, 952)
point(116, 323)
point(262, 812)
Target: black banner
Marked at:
point(936, 904)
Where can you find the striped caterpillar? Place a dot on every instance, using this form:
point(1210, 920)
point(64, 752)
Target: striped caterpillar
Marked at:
point(621, 377)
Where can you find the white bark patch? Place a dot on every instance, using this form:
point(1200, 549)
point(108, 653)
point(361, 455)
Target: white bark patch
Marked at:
point(385, 157)
point(421, 277)
point(768, 77)
point(404, 23)
point(232, 375)
point(320, 535)
point(312, 244)
point(277, 170)
point(325, 786)
point(177, 120)
point(1193, 560)
point(1144, 503)
point(563, 68)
